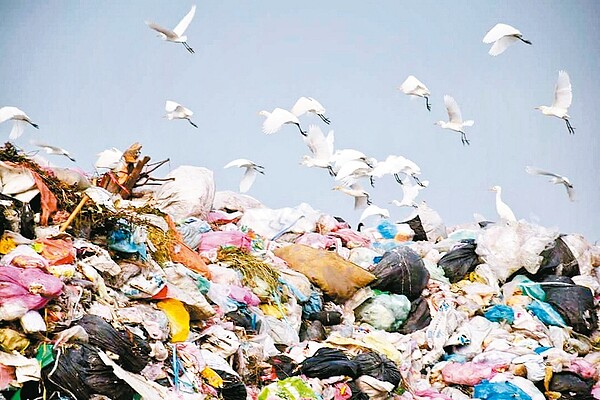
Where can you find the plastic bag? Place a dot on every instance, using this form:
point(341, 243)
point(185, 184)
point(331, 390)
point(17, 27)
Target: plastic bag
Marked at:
point(427, 224)
point(191, 230)
point(401, 271)
point(546, 313)
point(467, 373)
point(419, 317)
point(328, 362)
point(179, 319)
point(337, 277)
point(217, 239)
point(384, 311)
point(459, 261)
point(558, 260)
point(293, 388)
point(568, 382)
point(378, 366)
point(574, 303)
point(499, 391)
point(500, 313)
point(189, 194)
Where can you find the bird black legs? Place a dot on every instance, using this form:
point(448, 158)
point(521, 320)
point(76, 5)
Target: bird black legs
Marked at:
point(34, 125)
point(418, 181)
point(301, 131)
point(524, 40)
point(331, 171)
point(193, 124)
point(463, 138)
point(427, 103)
point(397, 178)
point(187, 46)
point(371, 181)
point(324, 119)
point(369, 202)
point(570, 127)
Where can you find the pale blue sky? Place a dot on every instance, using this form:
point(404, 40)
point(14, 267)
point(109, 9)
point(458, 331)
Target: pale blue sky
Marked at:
point(94, 76)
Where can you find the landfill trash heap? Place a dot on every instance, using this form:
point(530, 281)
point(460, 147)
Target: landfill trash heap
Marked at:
point(129, 287)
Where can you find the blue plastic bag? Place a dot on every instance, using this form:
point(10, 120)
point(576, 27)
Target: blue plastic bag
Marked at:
point(546, 313)
point(387, 229)
point(487, 390)
point(530, 288)
point(499, 313)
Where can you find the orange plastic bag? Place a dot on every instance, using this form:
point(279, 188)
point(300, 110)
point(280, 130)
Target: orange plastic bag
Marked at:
point(57, 251)
point(183, 254)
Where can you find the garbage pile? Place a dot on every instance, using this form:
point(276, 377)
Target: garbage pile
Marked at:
point(112, 288)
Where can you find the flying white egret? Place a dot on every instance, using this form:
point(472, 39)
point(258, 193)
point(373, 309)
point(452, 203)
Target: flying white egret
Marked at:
point(353, 170)
point(372, 210)
point(361, 197)
point(250, 175)
point(503, 210)
point(502, 35)
point(414, 87)
point(563, 96)
point(277, 118)
point(308, 104)
point(341, 156)
point(395, 165)
point(19, 120)
point(410, 193)
point(49, 149)
point(321, 147)
point(176, 35)
point(109, 159)
point(554, 178)
point(455, 122)
point(177, 111)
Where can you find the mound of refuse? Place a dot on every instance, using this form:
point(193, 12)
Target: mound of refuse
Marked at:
point(128, 287)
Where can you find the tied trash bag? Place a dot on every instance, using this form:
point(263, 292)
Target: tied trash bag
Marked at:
point(401, 271)
point(574, 303)
point(460, 260)
point(378, 366)
point(384, 311)
point(328, 362)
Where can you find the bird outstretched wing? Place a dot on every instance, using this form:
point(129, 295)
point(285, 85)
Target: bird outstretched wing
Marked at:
point(320, 145)
point(373, 210)
point(239, 162)
point(17, 129)
point(412, 84)
point(306, 104)
point(453, 109)
point(563, 95)
point(278, 117)
point(164, 31)
point(536, 171)
point(498, 31)
point(185, 21)
point(9, 112)
point(501, 44)
point(247, 179)
point(171, 106)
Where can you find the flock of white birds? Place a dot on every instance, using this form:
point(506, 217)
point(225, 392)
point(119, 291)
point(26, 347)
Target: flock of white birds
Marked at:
point(348, 167)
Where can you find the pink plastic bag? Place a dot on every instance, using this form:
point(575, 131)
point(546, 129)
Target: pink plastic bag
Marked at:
point(215, 240)
point(316, 240)
point(24, 289)
point(243, 295)
point(468, 373)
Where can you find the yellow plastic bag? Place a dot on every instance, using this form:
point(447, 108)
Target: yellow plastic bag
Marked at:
point(336, 276)
point(212, 377)
point(179, 319)
point(272, 310)
point(11, 340)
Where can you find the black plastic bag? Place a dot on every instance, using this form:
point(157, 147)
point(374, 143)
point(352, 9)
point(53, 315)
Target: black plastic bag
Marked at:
point(312, 330)
point(283, 365)
point(401, 271)
point(233, 388)
point(328, 362)
point(570, 385)
point(356, 392)
point(379, 367)
point(558, 260)
point(79, 372)
point(573, 302)
point(460, 260)
point(327, 318)
point(132, 350)
point(418, 318)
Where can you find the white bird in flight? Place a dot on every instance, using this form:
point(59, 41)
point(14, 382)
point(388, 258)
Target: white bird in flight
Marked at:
point(177, 111)
point(563, 96)
point(19, 120)
point(372, 210)
point(353, 170)
point(410, 193)
point(321, 147)
point(250, 175)
point(502, 35)
point(176, 35)
point(554, 178)
point(361, 197)
point(455, 122)
point(49, 149)
point(503, 210)
point(277, 118)
point(395, 165)
point(414, 87)
point(308, 104)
